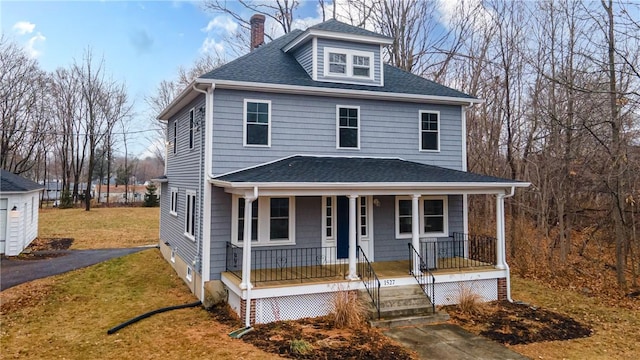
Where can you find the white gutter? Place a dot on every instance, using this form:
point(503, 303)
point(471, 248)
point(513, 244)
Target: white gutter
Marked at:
point(326, 91)
point(513, 190)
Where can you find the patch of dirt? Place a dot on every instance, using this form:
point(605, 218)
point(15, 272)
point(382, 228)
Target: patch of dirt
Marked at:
point(513, 323)
point(326, 341)
point(45, 248)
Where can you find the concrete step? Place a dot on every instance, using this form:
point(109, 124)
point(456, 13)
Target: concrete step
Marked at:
point(419, 300)
point(387, 323)
point(407, 310)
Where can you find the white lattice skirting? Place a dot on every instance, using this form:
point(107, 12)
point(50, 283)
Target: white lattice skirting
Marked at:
point(448, 293)
point(292, 307)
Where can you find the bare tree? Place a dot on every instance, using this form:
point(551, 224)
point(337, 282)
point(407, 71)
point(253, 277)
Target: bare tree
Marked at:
point(24, 93)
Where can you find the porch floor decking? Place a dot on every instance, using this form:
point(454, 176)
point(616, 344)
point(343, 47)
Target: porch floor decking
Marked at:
point(336, 273)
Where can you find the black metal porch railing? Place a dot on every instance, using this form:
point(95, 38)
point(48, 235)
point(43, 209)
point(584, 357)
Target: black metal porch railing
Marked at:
point(286, 264)
point(369, 278)
point(423, 276)
point(459, 251)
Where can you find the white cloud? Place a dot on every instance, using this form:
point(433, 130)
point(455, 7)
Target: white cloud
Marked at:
point(451, 11)
point(24, 27)
point(211, 46)
point(32, 45)
point(221, 23)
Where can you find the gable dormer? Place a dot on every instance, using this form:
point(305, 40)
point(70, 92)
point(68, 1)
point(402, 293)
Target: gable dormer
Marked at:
point(336, 52)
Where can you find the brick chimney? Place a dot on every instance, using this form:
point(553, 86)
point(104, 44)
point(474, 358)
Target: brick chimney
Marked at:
point(257, 30)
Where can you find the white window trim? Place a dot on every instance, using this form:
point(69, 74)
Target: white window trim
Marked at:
point(173, 255)
point(349, 70)
point(244, 123)
point(330, 240)
point(420, 130)
point(338, 107)
point(192, 128)
point(445, 210)
point(190, 193)
point(264, 222)
point(173, 201)
point(189, 275)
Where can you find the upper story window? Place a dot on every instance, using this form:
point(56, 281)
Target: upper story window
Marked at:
point(348, 127)
point(338, 63)
point(191, 129)
point(348, 63)
point(175, 137)
point(361, 65)
point(257, 122)
point(429, 130)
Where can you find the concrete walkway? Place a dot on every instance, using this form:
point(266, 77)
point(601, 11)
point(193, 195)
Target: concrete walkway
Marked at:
point(448, 341)
point(14, 271)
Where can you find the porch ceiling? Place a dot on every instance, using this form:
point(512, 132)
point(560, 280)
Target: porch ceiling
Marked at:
point(316, 175)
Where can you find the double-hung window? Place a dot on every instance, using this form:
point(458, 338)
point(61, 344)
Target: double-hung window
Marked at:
point(432, 216)
point(190, 216)
point(257, 122)
point(337, 63)
point(272, 220)
point(348, 127)
point(173, 208)
point(347, 63)
point(191, 129)
point(429, 130)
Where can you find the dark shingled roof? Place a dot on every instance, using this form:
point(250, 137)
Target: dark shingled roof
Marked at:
point(313, 169)
point(269, 64)
point(10, 182)
point(334, 25)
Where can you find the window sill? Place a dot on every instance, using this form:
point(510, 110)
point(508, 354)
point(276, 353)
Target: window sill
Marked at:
point(190, 237)
point(430, 151)
point(256, 146)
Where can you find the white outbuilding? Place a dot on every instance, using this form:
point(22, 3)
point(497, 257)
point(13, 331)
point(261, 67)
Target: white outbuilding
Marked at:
point(18, 212)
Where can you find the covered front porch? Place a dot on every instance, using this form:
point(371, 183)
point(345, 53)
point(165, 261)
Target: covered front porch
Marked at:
point(304, 228)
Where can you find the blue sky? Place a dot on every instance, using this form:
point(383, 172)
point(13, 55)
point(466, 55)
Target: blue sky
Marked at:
point(142, 42)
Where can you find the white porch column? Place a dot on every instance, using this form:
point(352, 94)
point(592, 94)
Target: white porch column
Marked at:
point(353, 232)
point(500, 240)
point(415, 231)
point(246, 244)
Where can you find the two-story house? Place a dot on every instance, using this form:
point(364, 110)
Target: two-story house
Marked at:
point(308, 166)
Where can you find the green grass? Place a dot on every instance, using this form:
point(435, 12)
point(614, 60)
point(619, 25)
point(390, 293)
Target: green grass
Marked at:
point(101, 228)
point(67, 316)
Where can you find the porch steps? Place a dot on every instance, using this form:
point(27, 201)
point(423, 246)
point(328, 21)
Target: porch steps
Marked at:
point(403, 306)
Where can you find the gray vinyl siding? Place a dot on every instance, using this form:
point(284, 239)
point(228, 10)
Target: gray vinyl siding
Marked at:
point(184, 171)
point(304, 56)
point(322, 43)
point(220, 230)
point(386, 246)
point(303, 124)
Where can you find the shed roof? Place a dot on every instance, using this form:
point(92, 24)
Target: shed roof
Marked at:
point(10, 182)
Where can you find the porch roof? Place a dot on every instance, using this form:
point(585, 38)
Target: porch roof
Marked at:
point(304, 171)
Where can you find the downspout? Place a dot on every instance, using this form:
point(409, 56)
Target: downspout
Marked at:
point(513, 190)
point(206, 188)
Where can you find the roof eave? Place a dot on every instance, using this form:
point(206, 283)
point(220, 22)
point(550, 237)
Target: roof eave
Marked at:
point(323, 91)
point(370, 185)
point(185, 97)
point(310, 33)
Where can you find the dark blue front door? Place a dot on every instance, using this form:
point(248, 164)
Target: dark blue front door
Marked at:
point(342, 218)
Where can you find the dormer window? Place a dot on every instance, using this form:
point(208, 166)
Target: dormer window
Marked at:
point(347, 63)
point(337, 63)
